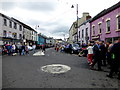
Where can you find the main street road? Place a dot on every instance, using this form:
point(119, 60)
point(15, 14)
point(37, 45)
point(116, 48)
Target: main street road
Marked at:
point(25, 72)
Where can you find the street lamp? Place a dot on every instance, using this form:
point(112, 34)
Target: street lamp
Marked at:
point(77, 19)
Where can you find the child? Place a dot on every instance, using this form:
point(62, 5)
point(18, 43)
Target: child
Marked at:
point(90, 53)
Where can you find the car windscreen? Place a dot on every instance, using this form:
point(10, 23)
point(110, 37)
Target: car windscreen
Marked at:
point(75, 45)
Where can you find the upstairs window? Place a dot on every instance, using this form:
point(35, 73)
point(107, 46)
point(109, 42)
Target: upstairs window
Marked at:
point(118, 20)
point(100, 28)
point(86, 31)
point(10, 24)
point(5, 22)
point(108, 25)
point(83, 33)
point(93, 30)
point(15, 25)
point(79, 34)
point(20, 28)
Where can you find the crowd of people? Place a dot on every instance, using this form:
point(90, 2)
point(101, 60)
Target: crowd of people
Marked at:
point(14, 49)
point(104, 54)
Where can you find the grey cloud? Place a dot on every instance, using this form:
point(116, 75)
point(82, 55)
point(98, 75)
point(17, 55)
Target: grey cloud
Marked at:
point(38, 6)
point(34, 22)
point(61, 30)
point(35, 6)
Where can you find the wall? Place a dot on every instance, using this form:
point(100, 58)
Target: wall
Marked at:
point(113, 25)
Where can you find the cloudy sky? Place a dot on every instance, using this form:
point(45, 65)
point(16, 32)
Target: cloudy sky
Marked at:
point(54, 17)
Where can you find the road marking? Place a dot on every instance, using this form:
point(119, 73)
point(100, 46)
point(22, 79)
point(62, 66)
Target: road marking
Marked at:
point(39, 53)
point(55, 68)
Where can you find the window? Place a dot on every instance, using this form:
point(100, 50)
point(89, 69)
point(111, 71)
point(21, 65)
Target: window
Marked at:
point(10, 24)
point(100, 28)
point(83, 33)
point(108, 25)
point(20, 36)
point(15, 25)
point(79, 34)
point(20, 28)
point(118, 22)
point(14, 35)
point(9, 34)
point(5, 22)
point(23, 36)
point(4, 33)
point(93, 30)
point(86, 31)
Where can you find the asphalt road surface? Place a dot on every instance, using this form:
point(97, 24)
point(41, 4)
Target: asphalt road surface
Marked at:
point(25, 72)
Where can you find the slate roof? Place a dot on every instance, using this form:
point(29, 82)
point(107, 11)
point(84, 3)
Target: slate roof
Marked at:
point(105, 11)
point(26, 26)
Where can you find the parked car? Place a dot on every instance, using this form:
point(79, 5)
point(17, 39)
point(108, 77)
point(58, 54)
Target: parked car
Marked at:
point(76, 48)
point(73, 48)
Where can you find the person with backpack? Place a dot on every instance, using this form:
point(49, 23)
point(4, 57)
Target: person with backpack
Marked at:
point(115, 55)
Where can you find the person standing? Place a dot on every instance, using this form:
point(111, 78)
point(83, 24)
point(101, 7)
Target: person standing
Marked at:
point(57, 48)
point(34, 47)
point(43, 48)
point(26, 49)
point(20, 49)
point(90, 54)
point(103, 51)
point(115, 52)
point(23, 49)
point(96, 53)
point(13, 49)
point(108, 53)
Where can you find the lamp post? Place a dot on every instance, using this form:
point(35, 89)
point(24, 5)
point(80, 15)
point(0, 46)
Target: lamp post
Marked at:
point(77, 19)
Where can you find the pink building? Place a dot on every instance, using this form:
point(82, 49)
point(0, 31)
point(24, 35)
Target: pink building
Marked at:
point(106, 25)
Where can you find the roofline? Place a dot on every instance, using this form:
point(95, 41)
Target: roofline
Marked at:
point(24, 25)
point(105, 11)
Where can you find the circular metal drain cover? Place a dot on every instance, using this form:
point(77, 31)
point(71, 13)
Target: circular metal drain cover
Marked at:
point(55, 68)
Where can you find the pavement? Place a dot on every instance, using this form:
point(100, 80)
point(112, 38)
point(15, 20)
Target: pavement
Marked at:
point(25, 72)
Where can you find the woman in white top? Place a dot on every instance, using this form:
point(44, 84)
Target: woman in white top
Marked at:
point(90, 54)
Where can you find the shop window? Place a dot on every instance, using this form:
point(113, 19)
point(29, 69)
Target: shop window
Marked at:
point(4, 33)
point(14, 35)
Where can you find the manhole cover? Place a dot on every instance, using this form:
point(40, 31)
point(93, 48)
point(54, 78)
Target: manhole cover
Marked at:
point(55, 68)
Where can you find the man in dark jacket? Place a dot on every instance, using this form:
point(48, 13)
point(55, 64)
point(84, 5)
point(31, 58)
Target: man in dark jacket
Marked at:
point(115, 50)
point(103, 51)
point(96, 53)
